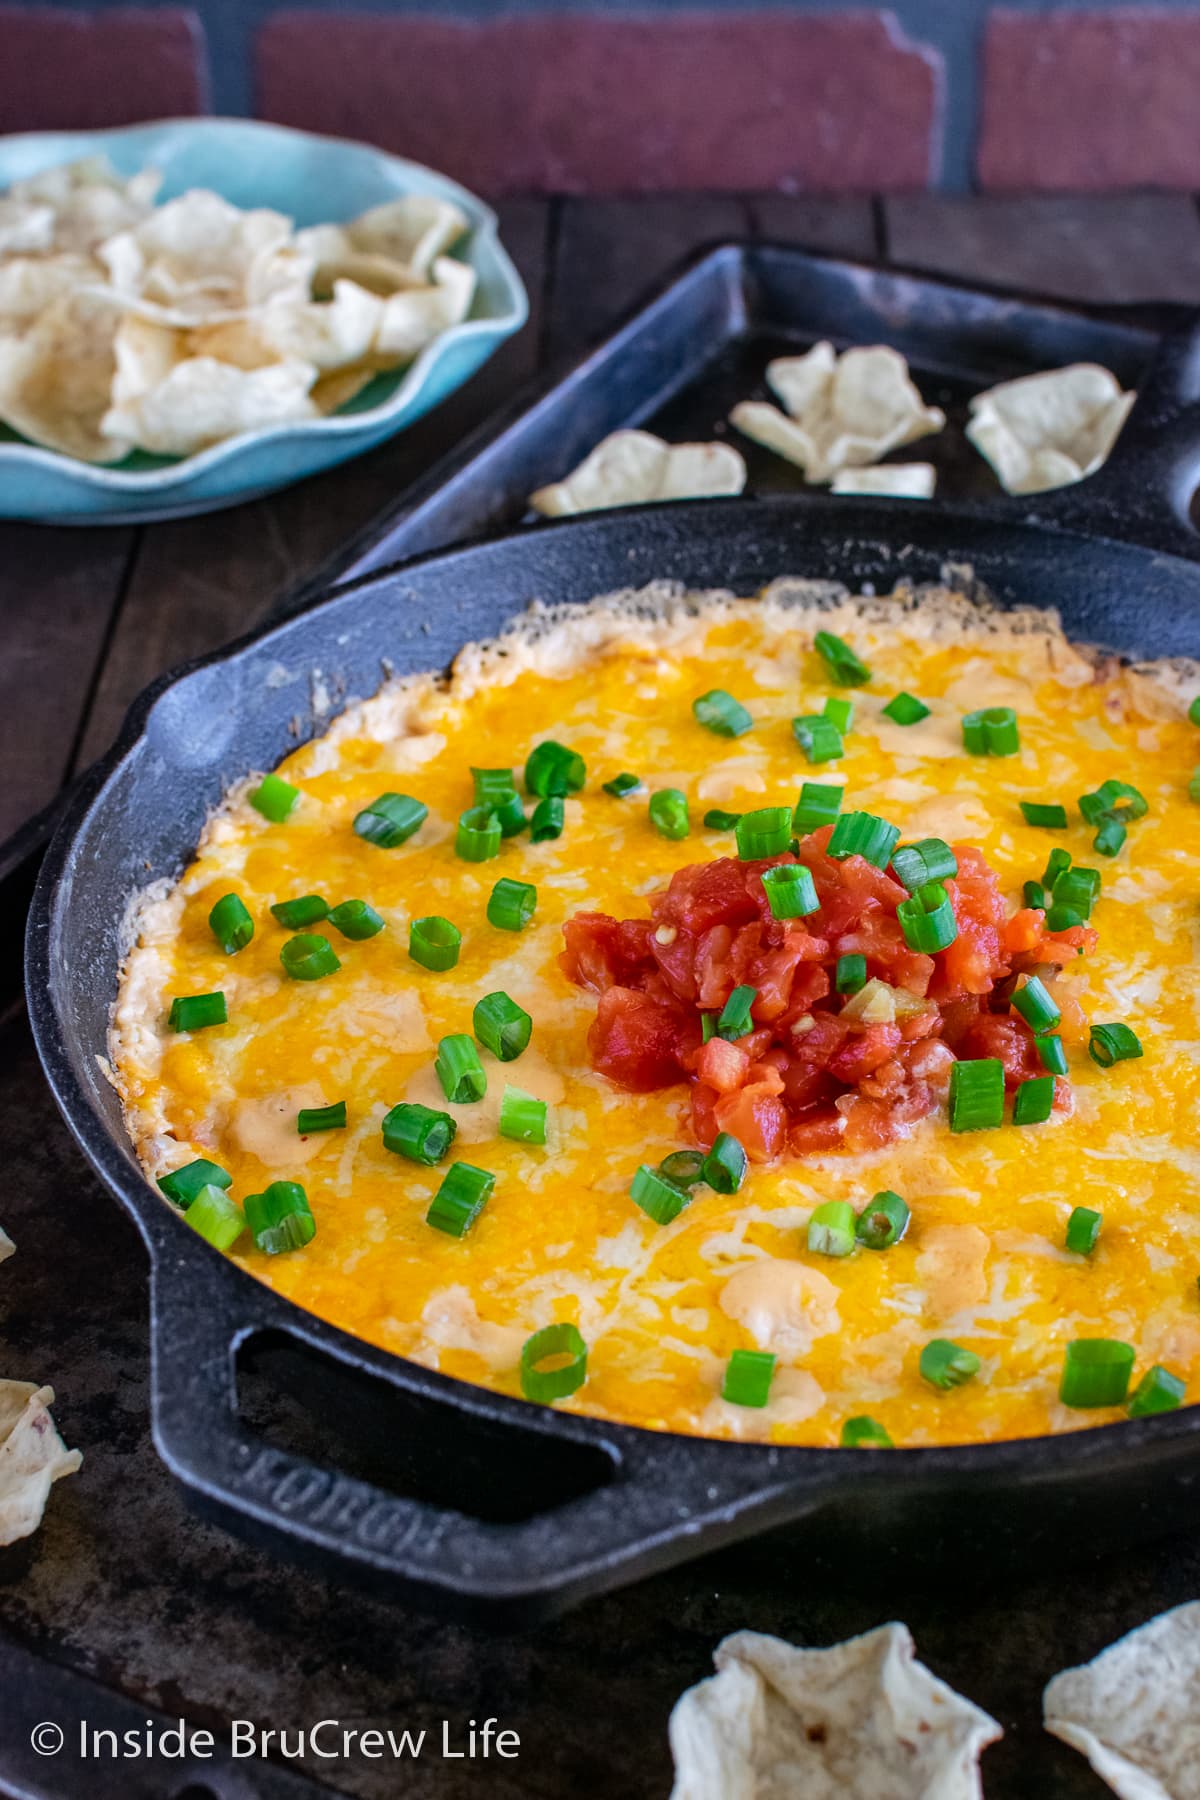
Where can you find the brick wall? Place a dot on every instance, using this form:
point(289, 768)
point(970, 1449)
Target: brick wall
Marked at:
point(607, 97)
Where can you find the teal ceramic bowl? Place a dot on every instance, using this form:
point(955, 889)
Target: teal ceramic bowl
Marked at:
point(313, 179)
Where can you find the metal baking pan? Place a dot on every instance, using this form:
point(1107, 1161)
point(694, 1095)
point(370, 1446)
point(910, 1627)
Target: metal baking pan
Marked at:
point(459, 1496)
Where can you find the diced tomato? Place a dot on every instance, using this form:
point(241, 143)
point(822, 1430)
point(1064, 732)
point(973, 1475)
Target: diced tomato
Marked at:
point(1004, 1036)
point(704, 1124)
point(757, 1119)
point(723, 1066)
point(706, 894)
point(826, 1035)
point(602, 952)
point(635, 1040)
point(824, 1129)
point(864, 1052)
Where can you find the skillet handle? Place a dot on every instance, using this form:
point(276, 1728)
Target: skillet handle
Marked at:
point(1143, 492)
point(616, 1503)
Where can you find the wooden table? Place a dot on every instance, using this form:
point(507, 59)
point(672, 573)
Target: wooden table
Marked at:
point(122, 1586)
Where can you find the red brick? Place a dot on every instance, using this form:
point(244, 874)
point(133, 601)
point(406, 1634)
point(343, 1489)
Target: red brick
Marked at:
point(66, 70)
point(1090, 100)
point(597, 103)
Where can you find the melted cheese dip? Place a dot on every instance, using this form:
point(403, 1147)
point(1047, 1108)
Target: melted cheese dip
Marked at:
point(662, 1308)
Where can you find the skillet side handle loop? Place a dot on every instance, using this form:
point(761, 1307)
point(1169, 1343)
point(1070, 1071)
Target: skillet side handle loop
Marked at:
point(1142, 494)
point(658, 1499)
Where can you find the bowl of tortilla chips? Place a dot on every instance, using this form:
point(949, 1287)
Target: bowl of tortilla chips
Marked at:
point(200, 311)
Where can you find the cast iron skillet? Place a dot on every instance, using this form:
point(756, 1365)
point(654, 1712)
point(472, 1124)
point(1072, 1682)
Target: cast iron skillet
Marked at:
point(455, 1493)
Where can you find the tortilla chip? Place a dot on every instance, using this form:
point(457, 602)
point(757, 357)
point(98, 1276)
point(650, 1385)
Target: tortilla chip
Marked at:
point(56, 378)
point(413, 319)
point(7, 1247)
point(28, 284)
point(863, 1719)
point(631, 468)
point(199, 259)
point(25, 226)
point(340, 386)
point(202, 401)
point(1134, 1710)
point(332, 334)
point(392, 246)
point(146, 353)
point(842, 411)
point(88, 201)
point(903, 481)
point(32, 1457)
point(1045, 431)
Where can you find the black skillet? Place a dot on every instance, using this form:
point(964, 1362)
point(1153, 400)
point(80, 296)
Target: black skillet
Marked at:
point(455, 1494)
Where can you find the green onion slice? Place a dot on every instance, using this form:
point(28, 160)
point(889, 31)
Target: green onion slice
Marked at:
point(1034, 894)
point(1057, 863)
point(1077, 888)
point(819, 804)
point(839, 712)
point(1114, 800)
point(195, 1012)
point(716, 820)
point(309, 956)
point(1096, 1372)
point(433, 942)
point(501, 1026)
point(464, 1193)
point(1062, 918)
point(1036, 1005)
point(819, 738)
point(231, 924)
point(522, 1117)
point(321, 1118)
point(1052, 817)
point(183, 1184)
point(1194, 711)
point(620, 785)
point(1111, 1044)
point(274, 798)
point(418, 1132)
point(851, 974)
point(927, 919)
point(1054, 1057)
point(846, 668)
point(1083, 1230)
point(1194, 785)
point(766, 832)
point(1158, 1391)
point(511, 904)
point(724, 1168)
point(552, 769)
point(355, 919)
point(510, 812)
point(660, 1199)
point(492, 786)
point(862, 834)
point(462, 1075)
point(1110, 837)
point(684, 1167)
point(669, 812)
point(720, 712)
point(864, 1433)
point(390, 820)
point(1034, 1101)
point(478, 836)
point(918, 864)
point(831, 1229)
point(790, 890)
point(947, 1365)
point(734, 1020)
point(976, 1094)
point(882, 1223)
point(992, 732)
point(563, 1349)
point(546, 820)
point(906, 709)
point(215, 1216)
point(297, 915)
point(748, 1377)
point(280, 1218)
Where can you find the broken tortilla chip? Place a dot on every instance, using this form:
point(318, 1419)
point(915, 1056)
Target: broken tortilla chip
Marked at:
point(7, 1247)
point(32, 1457)
point(903, 481)
point(631, 468)
point(1045, 431)
point(842, 411)
point(412, 319)
point(392, 246)
point(202, 401)
point(87, 201)
point(56, 378)
point(1134, 1710)
point(864, 1720)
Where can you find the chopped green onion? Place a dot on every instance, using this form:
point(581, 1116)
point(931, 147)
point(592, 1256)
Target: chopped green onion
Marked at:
point(790, 890)
point(1083, 1230)
point(1054, 1057)
point(546, 820)
point(231, 924)
point(906, 709)
point(511, 905)
point(620, 785)
point(660, 1199)
point(478, 836)
point(1114, 800)
point(684, 1167)
point(501, 1026)
point(708, 1026)
point(551, 1345)
point(992, 732)
point(947, 1365)
point(1058, 862)
point(720, 712)
point(724, 1168)
point(819, 804)
point(464, 1193)
point(309, 956)
point(1194, 785)
point(940, 861)
point(1034, 1101)
point(215, 1216)
point(927, 919)
point(819, 738)
point(391, 820)
point(716, 820)
point(831, 1229)
point(553, 770)
point(274, 798)
point(851, 975)
point(766, 832)
point(1111, 1044)
point(1194, 711)
point(1034, 894)
point(321, 1118)
point(862, 834)
point(1062, 918)
point(510, 812)
point(669, 812)
point(918, 864)
point(434, 942)
point(839, 712)
point(882, 1223)
point(492, 786)
point(1053, 817)
point(864, 1433)
point(280, 1218)
point(976, 1094)
point(418, 1132)
point(355, 919)
point(194, 1012)
point(183, 1184)
point(1036, 1005)
point(296, 915)
point(522, 1117)
point(459, 1069)
point(734, 1020)
point(1157, 1392)
point(1077, 888)
point(1110, 837)
point(1096, 1372)
point(748, 1376)
point(847, 669)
